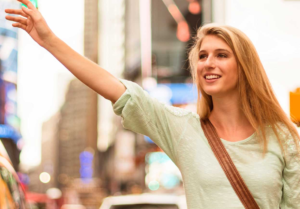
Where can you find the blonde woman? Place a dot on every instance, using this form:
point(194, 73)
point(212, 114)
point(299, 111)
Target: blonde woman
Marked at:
point(236, 97)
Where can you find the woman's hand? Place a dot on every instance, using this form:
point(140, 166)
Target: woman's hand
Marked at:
point(32, 21)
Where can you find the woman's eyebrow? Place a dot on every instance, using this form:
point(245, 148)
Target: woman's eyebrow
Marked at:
point(223, 50)
point(203, 50)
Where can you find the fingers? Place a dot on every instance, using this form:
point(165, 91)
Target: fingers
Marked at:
point(34, 14)
point(19, 25)
point(16, 12)
point(28, 4)
point(25, 12)
point(17, 19)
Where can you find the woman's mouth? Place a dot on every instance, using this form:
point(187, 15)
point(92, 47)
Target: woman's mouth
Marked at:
point(211, 78)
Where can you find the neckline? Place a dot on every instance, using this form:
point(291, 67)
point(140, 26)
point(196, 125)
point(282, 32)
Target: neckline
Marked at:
point(241, 141)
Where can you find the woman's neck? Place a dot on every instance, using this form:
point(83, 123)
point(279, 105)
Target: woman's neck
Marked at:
point(229, 120)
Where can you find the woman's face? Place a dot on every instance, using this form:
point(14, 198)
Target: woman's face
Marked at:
point(217, 67)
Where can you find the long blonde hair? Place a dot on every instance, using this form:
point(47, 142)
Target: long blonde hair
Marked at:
point(257, 99)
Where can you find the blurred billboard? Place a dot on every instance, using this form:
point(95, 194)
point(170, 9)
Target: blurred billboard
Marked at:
point(8, 67)
point(294, 106)
point(9, 120)
point(161, 172)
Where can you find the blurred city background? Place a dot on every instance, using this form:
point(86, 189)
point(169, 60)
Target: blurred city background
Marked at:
point(65, 142)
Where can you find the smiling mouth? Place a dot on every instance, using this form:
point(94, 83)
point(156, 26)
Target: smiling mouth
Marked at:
point(212, 77)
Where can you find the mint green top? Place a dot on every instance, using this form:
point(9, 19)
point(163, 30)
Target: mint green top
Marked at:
point(274, 181)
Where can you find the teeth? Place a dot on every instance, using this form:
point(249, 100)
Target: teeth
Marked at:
point(212, 77)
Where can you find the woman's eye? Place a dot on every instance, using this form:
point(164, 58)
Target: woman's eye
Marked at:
point(222, 55)
point(202, 56)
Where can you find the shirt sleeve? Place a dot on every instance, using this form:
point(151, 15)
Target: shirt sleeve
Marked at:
point(145, 115)
point(291, 178)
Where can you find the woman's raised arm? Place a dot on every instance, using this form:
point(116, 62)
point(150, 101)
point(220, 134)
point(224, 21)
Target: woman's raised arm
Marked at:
point(88, 72)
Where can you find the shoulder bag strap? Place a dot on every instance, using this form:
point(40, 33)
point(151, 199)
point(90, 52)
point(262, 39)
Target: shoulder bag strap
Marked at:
point(228, 166)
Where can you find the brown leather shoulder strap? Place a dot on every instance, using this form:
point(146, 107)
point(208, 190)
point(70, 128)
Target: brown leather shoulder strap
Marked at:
point(228, 166)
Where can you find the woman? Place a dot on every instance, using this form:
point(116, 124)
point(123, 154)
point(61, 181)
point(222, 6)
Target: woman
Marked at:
point(237, 99)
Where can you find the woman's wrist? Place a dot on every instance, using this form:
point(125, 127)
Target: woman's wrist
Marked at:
point(50, 41)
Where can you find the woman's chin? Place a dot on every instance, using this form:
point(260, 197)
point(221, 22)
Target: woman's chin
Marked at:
point(212, 91)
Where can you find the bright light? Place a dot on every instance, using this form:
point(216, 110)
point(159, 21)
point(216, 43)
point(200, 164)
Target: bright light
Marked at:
point(195, 7)
point(45, 177)
point(153, 185)
point(54, 193)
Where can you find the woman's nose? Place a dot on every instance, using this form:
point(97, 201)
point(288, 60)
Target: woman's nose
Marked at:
point(210, 62)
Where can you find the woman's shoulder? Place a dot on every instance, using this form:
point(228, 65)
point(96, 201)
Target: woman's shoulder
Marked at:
point(287, 139)
point(148, 101)
point(180, 112)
